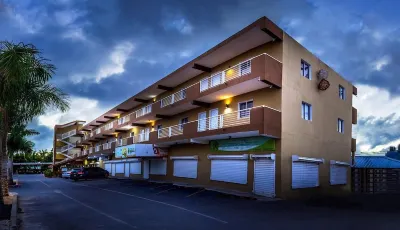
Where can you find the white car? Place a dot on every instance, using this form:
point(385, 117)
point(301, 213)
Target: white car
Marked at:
point(66, 174)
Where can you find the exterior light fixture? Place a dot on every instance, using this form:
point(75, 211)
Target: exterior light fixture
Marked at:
point(227, 106)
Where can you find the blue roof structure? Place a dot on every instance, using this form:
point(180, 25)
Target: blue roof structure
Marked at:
point(376, 162)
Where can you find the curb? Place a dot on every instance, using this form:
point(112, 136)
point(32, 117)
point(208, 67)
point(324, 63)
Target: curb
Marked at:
point(14, 212)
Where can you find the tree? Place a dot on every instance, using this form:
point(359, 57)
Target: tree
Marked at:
point(17, 143)
point(24, 94)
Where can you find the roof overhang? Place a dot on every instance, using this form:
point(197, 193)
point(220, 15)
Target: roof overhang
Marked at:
point(258, 33)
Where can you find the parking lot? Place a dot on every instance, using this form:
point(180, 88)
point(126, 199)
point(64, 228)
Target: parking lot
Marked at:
point(122, 204)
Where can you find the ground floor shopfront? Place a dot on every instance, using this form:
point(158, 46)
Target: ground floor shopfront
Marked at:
point(216, 166)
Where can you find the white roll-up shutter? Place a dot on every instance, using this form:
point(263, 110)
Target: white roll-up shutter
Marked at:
point(119, 167)
point(107, 167)
point(264, 175)
point(136, 168)
point(338, 172)
point(229, 168)
point(158, 167)
point(185, 168)
point(305, 172)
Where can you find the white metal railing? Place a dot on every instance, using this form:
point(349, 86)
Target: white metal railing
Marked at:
point(171, 99)
point(144, 136)
point(235, 118)
point(97, 148)
point(143, 111)
point(109, 126)
point(90, 150)
point(68, 134)
point(107, 146)
point(170, 131)
point(91, 134)
point(86, 152)
point(58, 149)
point(122, 142)
point(67, 147)
point(98, 130)
point(123, 119)
point(219, 78)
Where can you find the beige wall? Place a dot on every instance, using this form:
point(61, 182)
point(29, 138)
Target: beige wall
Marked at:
point(317, 138)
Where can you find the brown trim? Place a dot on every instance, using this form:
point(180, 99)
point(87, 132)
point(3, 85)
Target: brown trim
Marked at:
point(87, 130)
point(101, 122)
point(353, 145)
point(162, 116)
point(109, 117)
point(201, 104)
point(166, 88)
point(95, 125)
point(121, 130)
point(141, 100)
point(354, 116)
point(354, 90)
point(138, 125)
point(123, 110)
point(202, 68)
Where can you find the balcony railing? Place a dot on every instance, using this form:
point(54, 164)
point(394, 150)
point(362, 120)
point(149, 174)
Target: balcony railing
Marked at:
point(107, 146)
point(98, 130)
point(236, 118)
point(91, 150)
point(91, 134)
point(97, 148)
point(170, 131)
point(67, 147)
point(68, 134)
point(227, 75)
point(141, 137)
point(109, 126)
point(122, 142)
point(171, 99)
point(86, 152)
point(143, 111)
point(123, 120)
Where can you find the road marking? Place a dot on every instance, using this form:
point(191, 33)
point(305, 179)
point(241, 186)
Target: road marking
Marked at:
point(165, 191)
point(94, 209)
point(202, 190)
point(165, 185)
point(151, 200)
point(44, 183)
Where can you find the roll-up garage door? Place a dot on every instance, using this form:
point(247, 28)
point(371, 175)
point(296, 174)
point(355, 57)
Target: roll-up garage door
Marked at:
point(338, 172)
point(119, 167)
point(107, 167)
point(112, 169)
point(136, 167)
point(158, 167)
point(305, 172)
point(264, 175)
point(185, 166)
point(229, 168)
point(127, 170)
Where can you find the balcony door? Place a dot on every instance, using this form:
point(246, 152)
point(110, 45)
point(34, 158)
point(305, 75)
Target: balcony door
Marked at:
point(202, 123)
point(214, 119)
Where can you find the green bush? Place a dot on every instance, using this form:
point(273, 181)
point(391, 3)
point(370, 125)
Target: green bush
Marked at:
point(48, 173)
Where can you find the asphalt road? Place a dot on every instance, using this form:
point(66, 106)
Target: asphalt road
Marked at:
point(124, 204)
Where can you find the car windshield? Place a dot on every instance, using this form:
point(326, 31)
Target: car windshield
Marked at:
point(75, 170)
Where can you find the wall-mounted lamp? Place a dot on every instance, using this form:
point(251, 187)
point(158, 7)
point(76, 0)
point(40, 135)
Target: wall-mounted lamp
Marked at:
point(152, 126)
point(227, 106)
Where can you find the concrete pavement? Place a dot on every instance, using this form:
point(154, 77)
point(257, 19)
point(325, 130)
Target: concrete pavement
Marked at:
point(125, 204)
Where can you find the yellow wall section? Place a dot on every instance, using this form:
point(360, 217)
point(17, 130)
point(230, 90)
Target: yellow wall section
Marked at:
point(317, 138)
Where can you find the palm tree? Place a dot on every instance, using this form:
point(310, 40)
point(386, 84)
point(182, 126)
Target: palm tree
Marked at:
point(17, 143)
point(24, 93)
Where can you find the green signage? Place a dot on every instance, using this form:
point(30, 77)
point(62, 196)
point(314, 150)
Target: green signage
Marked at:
point(253, 144)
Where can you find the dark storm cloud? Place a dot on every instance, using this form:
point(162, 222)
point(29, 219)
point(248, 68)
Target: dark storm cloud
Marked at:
point(81, 36)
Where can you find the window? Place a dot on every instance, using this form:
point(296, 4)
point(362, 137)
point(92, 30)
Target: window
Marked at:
point(244, 109)
point(305, 69)
point(182, 122)
point(340, 126)
point(306, 111)
point(342, 92)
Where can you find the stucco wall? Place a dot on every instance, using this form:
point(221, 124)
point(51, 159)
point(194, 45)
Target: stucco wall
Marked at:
point(317, 138)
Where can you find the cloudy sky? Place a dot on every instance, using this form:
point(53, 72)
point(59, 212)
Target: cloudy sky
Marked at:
point(106, 51)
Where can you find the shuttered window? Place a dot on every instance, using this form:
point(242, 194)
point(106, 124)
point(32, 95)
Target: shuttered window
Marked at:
point(185, 168)
point(264, 177)
point(305, 174)
point(119, 168)
point(107, 167)
point(233, 171)
point(136, 168)
point(338, 174)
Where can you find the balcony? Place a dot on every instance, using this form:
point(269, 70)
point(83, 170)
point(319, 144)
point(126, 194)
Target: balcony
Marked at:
point(171, 99)
point(67, 134)
point(104, 149)
point(66, 148)
point(143, 111)
point(249, 122)
point(123, 120)
point(91, 150)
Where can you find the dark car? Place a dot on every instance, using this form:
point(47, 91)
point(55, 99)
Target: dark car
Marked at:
point(88, 173)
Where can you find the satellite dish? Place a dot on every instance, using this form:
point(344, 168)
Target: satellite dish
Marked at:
point(322, 74)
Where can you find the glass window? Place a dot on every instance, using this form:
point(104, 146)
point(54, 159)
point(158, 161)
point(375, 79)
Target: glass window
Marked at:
point(340, 126)
point(306, 111)
point(182, 122)
point(305, 69)
point(342, 92)
point(244, 108)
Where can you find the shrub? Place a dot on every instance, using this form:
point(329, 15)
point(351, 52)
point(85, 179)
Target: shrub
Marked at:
point(48, 173)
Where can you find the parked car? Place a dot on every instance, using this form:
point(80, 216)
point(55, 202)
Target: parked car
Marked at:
point(88, 173)
point(67, 174)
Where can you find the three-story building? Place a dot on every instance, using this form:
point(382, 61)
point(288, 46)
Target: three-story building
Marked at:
point(256, 113)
